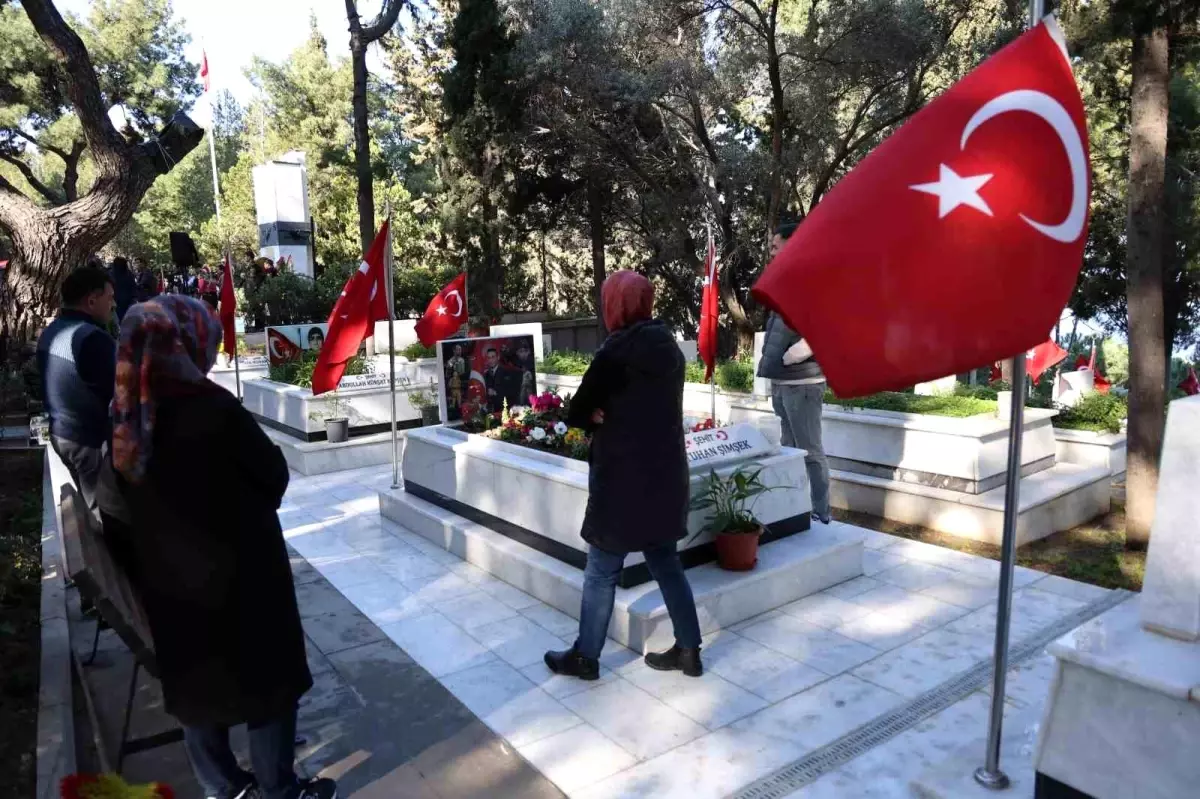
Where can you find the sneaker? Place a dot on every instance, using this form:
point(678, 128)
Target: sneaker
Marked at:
point(677, 659)
point(572, 664)
point(247, 791)
point(318, 789)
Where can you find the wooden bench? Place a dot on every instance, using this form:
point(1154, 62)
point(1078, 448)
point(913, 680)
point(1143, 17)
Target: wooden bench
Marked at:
point(103, 582)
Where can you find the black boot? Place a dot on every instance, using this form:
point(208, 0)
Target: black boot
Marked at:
point(572, 664)
point(677, 659)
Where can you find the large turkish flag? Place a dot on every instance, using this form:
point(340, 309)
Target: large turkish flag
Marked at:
point(956, 242)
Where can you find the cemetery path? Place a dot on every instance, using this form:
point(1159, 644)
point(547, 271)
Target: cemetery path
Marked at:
point(778, 691)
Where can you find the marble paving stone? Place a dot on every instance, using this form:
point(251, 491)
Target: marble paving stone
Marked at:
point(516, 640)
point(924, 663)
point(852, 588)
point(407, 565)
point(353, 571)
point(964, 591)
point(474, 610)
point(760, 670)
point(579, 757)
point(753, 620)
point(552, 619)
point(917, 608)
point(817, 647)
point(883, 631)
point(710, 699)
point(915, 576)
point(337, 631)
point(385, 601)
point(509, 703)
point(874, 539)
point(373, 540)
point(437, 588)
point(927, 553)
point(440, 647)
point(709, 767)
point(822, 713)
point(613, 655)
point(1072, 589)
point(639, 723)
point(559, 686)
point(515, 598)
point(1028, 683)
point(317, 597)
point(875, 561)
point(824, 610)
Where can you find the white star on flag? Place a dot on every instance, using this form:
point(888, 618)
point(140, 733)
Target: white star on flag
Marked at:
point(441, 310)
point(953, 190)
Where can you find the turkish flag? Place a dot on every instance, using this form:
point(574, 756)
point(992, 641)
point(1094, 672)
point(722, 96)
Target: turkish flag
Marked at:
point(228, 306)
point(710, 311)
point(957, 241)
point(1190, 385)
point(1043, 357)
point(362, 303)
point(280, 349)
point(446, 313)
point(204, 69)
point(995, 372)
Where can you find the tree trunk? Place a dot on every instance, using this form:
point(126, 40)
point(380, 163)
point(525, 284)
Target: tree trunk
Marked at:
point(775, 198)
point(595, 200)
point(1144, 279)
point(362, 143)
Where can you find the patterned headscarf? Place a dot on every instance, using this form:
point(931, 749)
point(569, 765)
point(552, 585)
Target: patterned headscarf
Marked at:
point(168, 345)
point(627, 298)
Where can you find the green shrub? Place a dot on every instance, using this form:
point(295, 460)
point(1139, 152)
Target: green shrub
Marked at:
point(735, 375)
point(564, 362)
point(939, 405)
point(1101, 413)
point(300, 371)
point(417, 350)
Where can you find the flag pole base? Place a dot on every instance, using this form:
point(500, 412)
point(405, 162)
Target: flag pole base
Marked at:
point(992, 780)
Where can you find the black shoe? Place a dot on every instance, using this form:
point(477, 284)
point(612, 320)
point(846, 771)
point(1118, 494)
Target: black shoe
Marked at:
point(677, 659)
point(572, 664)
point(318, 789)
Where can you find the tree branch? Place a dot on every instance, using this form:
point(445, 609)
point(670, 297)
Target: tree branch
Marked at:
point(382, 23)
point(83, 88)
point(60, 152)
point(53, 197)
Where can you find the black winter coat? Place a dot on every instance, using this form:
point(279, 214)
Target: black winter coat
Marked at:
point(210, 560)
point(638, 479)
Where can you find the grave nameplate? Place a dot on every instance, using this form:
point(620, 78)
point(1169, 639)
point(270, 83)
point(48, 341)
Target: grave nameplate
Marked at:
point(725, 444)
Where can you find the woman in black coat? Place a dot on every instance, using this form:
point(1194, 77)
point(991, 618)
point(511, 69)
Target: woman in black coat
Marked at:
point(211, 567)
point(631, 400)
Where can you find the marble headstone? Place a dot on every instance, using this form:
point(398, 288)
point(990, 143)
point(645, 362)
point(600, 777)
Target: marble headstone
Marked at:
point(1171, 591)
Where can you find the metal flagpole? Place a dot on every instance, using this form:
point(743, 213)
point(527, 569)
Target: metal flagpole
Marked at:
point(391, 301)
point(212, 147)
point(237, 372)
point(989, 774)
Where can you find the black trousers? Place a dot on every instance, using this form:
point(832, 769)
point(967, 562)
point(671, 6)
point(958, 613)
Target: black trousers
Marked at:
point(272, 756)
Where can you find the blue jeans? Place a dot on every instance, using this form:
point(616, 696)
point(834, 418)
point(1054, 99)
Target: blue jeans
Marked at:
point(600, 590)
point(799, 412)
point(272, 756)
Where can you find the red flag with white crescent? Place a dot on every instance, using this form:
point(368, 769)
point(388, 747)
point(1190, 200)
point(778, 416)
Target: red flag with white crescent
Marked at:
point(957, 241)
point(446, 313)
point(362, 303)
point(228, 306)
point(204, 70)
point(706, 340)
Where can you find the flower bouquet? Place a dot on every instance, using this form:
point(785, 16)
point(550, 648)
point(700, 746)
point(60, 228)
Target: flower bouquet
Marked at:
point(542, 425)
point(110, 786)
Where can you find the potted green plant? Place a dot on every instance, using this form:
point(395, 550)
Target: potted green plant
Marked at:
point(427, 403)
point(337, 423)
point(731, 518)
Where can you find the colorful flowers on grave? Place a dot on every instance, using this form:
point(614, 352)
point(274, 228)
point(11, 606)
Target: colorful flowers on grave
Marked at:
point(542, 425)
point(707, 424)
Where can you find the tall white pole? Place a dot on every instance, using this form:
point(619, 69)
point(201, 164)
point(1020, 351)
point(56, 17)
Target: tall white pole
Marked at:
point(212, 151)
point(989, 774)
point(391, 301)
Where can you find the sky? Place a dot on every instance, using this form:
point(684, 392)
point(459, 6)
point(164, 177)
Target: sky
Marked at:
point(232, 32)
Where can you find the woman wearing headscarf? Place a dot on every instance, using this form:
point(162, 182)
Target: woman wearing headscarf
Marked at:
point(215, 577)
point(631, 400)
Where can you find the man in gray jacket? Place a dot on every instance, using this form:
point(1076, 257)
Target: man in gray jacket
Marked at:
point(797, 393)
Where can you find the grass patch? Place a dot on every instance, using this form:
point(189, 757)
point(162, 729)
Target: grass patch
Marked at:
point(299, 372)
point(1099, 413)
point(1090, 553)
point(20, 611)
point(565, 362)
point(730, 374)
point(955, 405)
point(417, 351)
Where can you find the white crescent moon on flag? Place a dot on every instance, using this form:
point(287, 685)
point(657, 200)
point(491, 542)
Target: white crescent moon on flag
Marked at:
point(458, 297)
point(1049, 109)
point(273, 343)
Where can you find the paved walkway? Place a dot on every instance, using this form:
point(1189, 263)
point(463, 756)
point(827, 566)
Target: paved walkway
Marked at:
point(777, 689)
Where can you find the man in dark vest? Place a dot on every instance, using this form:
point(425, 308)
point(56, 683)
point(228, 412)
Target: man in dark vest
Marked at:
point(77, 359)
point(797, 393)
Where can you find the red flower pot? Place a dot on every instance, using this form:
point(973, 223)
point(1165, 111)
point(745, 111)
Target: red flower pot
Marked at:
point(738, 552)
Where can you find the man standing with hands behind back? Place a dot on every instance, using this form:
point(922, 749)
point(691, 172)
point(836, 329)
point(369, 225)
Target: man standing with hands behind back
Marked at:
point(77, 359)
point(797, 393)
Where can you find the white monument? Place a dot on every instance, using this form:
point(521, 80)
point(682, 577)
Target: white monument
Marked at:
point(1123, 717)
point(1071, 387)
point(943, 385)
point(281, 204)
